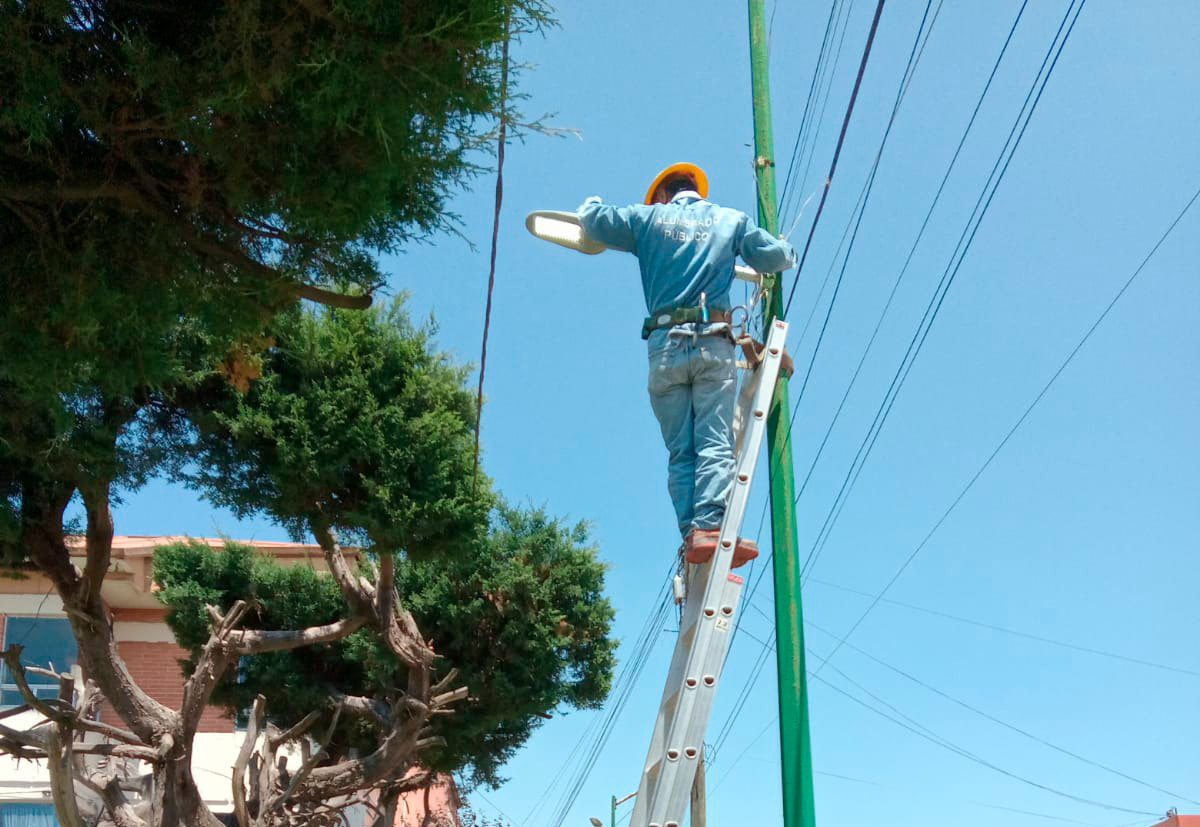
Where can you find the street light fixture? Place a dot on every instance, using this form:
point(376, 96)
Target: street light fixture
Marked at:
point(616, 802)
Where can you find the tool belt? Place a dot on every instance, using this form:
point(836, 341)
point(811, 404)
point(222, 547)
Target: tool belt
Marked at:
point(752, 349)
point(683, 315)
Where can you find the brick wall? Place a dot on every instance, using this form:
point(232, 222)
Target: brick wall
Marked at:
point(155, 668)
point(434, 806)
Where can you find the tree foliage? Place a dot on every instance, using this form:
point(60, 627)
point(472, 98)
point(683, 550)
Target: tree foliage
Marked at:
point(521, 616)
point(174, 180)
point(173, 176)
point(356, 424)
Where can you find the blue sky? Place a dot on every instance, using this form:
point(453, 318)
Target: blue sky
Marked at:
point(1084, 528)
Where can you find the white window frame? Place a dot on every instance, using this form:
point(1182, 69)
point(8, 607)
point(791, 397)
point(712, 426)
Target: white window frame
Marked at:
point(50, 689)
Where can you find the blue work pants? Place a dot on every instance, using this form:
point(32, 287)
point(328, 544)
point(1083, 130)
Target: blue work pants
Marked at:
point(693, 390)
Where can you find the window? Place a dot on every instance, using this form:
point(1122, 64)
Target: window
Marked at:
point(44, 641)
point(27, 815)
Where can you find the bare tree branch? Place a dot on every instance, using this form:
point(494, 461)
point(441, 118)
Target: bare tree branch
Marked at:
point(304, 725)
point(119, 806)
point(242, 763)
point(99, 536)
point(354, 590)
point(253, 641)
point(331, 299)
point(43, 536)
point(367, 707)
point(60, 761)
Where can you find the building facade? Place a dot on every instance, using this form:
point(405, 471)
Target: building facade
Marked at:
point(31, 615)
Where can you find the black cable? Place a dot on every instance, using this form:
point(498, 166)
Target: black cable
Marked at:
point(833, 7)
point(509, 819)
point(912, 250)
point(862, 68)
point(919, 729)
point(1016, 425)
point(815, 133)
point(626, 678)
point(754, 587)
point(899, 277)
point(502, 138)
point(905, 83)
point(909, 68)
point(739, 705)
point(567, 800)
point(978, 212)
point(743, 696)
point(742, 754)
point(965, 753)
point(1001, 722)
point(992, 627)
point(810, 129)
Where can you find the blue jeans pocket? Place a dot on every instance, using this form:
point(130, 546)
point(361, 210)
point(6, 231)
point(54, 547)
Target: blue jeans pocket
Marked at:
point(717, 353)
point(658, 341)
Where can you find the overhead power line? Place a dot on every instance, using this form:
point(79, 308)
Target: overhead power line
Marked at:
point(583, 755)
point(902, 720)
point(862, 68)
point(808, 101)
point(638, 663)
point(1016, 425)
point(813, 120)
point(957, 257)
point(914, 56)
point(896, 284)
point(1012, 727)
point(502, 137)
point(912, 250)
point(909, 69)
point(899, 277)
point(1016, 633)
point(925, 733)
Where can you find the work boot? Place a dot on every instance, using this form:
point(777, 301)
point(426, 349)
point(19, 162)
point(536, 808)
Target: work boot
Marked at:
point(700, 545)
point(743, 552)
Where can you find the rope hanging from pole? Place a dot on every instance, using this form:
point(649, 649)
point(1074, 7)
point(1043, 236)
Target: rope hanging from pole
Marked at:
point(487, 313)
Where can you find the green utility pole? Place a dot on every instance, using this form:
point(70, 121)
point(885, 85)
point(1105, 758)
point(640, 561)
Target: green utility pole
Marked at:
point(798, 809)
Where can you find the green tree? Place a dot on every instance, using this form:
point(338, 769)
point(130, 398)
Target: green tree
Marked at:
point(174, 180)
point(218, 160)
point(521, 617)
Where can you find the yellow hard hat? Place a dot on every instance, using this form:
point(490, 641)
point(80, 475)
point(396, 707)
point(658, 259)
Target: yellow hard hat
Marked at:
point(676, 169)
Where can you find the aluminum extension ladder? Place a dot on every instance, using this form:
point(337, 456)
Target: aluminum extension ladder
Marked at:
point(713, 592)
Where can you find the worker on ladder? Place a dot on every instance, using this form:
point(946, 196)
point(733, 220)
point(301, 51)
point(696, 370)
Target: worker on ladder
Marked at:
point(686, 248)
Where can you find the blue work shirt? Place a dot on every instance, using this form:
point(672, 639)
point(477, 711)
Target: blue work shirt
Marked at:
point(685, 247)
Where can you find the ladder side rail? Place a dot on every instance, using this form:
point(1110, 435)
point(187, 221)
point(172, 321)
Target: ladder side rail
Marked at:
point(671, 687)
point(678, 796)
point(651, 771)
point(676, 771)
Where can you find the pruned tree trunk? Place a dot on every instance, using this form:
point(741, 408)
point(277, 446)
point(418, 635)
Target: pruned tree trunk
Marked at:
point(268, 791)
